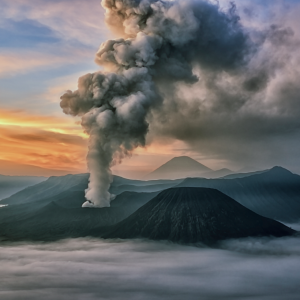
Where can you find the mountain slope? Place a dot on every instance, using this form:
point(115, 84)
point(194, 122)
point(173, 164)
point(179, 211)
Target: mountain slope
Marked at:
point(54, 221)
point(192, 215)
point(10, 185)
point(242, 175)
point(274, 194)
point(61, 216)
point(58, 184)
point(178, 167)
point(52, 186)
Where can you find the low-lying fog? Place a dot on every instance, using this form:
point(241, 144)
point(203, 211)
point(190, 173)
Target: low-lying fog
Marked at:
point(253, 268)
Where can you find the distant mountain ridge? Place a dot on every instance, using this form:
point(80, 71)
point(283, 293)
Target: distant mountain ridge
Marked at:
point(52, 209)
point(274, 193)
point(217, 173)
point(56, 185)
point(242, 175)
point(10, 185)
point(51, 187)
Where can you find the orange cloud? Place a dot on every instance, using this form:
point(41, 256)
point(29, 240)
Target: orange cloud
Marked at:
point(23, 119)
point(48, 145)
point(47, 142)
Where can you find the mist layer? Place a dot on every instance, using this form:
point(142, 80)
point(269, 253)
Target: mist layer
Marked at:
point(93, 269)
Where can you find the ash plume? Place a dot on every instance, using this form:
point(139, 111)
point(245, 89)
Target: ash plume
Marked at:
point(159, 44)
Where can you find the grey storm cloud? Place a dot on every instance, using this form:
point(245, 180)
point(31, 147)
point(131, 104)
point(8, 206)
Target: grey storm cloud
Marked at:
point(250, 115)
point(160, 45)
point(251, 268)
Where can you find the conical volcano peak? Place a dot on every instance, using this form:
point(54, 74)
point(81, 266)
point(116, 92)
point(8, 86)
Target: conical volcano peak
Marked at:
point(184, 159)
point(178, 167)
point(192, 215)
point(185, 162)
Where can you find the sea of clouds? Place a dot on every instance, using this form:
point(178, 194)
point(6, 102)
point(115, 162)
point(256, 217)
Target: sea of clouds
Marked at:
point(252, 268)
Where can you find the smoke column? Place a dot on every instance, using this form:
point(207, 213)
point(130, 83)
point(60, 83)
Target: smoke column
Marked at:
point(160, 43)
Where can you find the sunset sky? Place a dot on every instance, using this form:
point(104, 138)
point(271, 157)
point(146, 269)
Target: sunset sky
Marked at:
point(45, 46)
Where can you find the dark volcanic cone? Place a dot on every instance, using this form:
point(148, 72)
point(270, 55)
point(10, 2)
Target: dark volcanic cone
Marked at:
point(192, 215)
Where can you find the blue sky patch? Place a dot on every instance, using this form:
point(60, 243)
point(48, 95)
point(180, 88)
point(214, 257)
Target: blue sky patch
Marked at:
point(25, 34)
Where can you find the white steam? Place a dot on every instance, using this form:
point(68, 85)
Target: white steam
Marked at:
point(161, 42)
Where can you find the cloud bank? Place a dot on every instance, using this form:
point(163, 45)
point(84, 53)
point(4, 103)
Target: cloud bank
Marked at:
point(249, 116)
point(93, 269)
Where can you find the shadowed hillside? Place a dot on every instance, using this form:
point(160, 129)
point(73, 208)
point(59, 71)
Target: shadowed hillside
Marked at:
point(274, 194)
point(52, 209)
point(61, 216)
point(192, 215)
point(10, 185)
